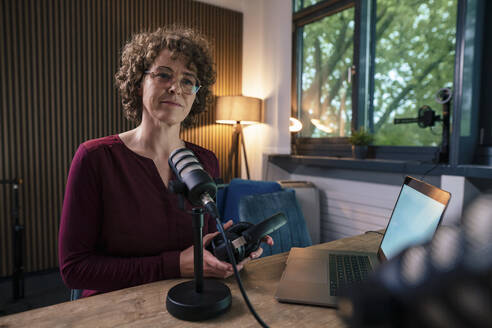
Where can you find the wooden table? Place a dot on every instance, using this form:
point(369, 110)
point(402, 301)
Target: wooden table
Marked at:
point(144, 306)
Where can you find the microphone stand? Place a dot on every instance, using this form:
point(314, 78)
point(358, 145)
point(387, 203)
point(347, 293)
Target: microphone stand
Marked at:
point(18, 283)
point(197, 225)
point(198, 299)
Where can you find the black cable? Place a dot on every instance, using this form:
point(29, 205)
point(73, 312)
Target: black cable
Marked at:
point(374, 231)
point(435, 161)
point(432, 131)
point(236, 274)
point(429, 171)
point(436, 157)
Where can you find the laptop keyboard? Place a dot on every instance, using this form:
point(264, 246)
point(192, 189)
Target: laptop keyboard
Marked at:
point(347, 270)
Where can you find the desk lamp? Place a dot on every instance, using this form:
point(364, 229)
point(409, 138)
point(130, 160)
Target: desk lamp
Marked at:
point(238, 110)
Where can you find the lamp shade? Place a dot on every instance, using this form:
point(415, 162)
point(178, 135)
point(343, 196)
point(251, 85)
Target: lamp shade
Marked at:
point(233, 109)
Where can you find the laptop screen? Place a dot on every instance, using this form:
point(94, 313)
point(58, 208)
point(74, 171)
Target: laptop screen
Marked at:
point(414, 220)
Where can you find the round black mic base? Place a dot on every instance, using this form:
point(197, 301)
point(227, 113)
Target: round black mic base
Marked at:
point(183, 301)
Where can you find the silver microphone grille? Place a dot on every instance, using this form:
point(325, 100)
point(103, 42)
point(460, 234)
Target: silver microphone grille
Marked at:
point(185, 161)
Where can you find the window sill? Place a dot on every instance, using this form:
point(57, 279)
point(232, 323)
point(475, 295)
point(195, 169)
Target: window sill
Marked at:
point(290, 163)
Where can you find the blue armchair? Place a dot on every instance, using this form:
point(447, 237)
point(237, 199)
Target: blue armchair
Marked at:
point(228, 196)
point(256, 208)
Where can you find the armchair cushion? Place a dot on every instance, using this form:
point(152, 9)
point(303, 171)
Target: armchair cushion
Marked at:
point(256, 208)
point(228, 198)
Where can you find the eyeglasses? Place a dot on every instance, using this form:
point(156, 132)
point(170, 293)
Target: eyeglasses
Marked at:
point(189, 84)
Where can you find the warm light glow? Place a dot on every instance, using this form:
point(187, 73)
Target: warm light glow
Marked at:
point(317, 123)
point(234, 122)
point(295, 125)
point(226, 122)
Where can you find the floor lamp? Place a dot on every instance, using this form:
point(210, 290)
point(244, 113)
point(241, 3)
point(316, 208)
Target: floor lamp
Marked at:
point(238, 110)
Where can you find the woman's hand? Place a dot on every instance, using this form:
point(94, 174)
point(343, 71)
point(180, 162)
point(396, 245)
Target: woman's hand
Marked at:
point(212, 266)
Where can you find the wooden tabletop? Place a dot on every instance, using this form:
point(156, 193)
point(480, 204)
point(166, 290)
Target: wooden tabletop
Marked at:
point(144, 306)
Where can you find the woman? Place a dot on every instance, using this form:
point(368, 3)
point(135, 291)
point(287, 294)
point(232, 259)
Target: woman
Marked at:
point(120, 225)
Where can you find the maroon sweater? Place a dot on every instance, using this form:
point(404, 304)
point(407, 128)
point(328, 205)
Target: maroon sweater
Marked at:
point(120, 225)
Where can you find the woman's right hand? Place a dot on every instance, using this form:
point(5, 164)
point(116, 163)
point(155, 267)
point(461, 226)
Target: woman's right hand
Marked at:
point(212, 266)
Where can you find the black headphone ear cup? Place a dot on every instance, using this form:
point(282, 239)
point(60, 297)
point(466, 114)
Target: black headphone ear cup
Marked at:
point(217, 239)
point(249, 247)
point(218, 246)
point(236, 231)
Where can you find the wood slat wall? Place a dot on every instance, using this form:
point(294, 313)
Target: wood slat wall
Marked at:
point(57, 64)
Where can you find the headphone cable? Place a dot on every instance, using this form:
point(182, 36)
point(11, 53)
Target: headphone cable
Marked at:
point(236, 274)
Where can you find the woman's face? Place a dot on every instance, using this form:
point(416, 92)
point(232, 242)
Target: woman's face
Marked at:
point(165, 90)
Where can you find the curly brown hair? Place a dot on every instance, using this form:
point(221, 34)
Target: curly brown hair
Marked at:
point(139, 54)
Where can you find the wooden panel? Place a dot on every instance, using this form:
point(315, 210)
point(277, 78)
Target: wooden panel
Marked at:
point(57, 64)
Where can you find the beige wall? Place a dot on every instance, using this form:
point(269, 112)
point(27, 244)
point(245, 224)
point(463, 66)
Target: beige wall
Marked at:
point(267, 70)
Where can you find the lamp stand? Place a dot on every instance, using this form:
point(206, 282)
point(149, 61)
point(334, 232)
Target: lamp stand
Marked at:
point(293, 143)
point(198, 299)
point(239, 128)
point(237, 134)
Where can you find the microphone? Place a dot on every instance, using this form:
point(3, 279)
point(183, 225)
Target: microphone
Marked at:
point(194, 182)
point(201, 299)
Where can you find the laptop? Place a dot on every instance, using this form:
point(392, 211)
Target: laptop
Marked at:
point(313, 276)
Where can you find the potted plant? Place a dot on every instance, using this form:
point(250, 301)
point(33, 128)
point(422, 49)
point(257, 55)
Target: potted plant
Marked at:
point(360, 140)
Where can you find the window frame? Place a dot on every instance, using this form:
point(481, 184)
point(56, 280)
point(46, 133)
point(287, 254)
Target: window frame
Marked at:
point(363, 83)
point(300, 19)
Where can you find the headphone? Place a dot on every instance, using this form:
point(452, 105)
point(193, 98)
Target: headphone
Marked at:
point(245, 237)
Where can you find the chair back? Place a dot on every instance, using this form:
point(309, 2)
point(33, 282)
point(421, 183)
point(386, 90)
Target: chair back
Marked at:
point(256, 208)
point(229, 196)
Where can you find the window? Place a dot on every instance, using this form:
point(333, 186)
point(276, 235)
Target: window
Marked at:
point(326, 91)
point(414, 59)
point(365, 63)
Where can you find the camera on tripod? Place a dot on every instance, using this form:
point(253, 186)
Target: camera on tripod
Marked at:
point(427, 118)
